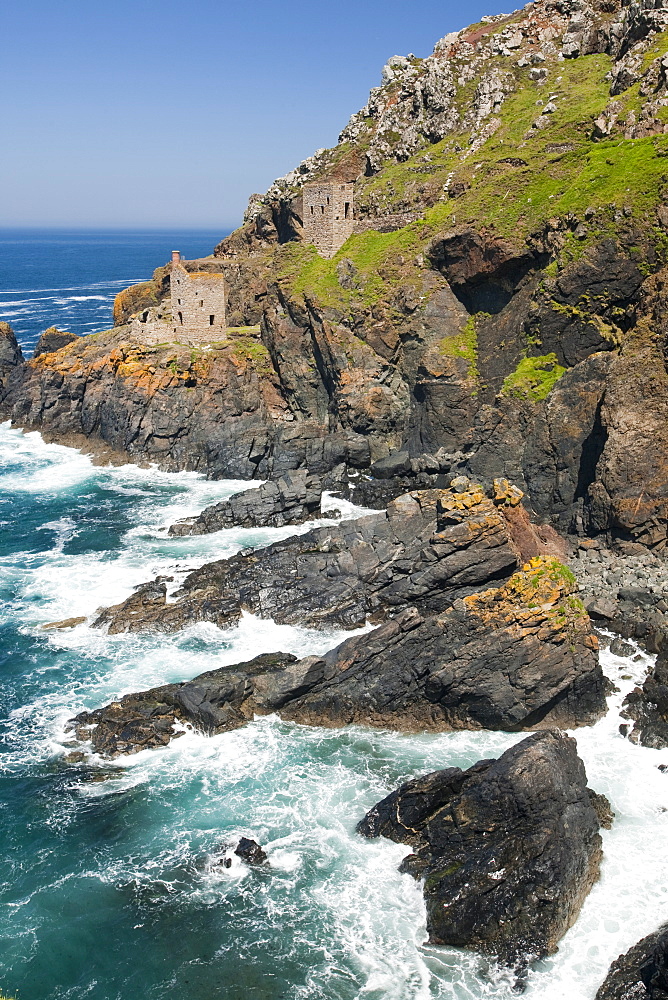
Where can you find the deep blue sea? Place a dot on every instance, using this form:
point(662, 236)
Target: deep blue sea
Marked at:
point(109, 887)
point(69, 279)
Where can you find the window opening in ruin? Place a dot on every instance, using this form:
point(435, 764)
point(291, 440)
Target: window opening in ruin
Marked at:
point(328, 200)
point(201, 303)
point(347, 210)
point(180, 303)
point(322, 209)
point(144, 316)
point(211, 319)
point(311, 209)
point(181, 318)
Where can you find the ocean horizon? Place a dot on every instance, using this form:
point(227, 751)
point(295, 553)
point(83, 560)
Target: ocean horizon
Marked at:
point(69, 277)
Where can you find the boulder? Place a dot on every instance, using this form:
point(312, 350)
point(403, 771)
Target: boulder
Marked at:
point(250, 852)
point(640, 974)
point(292, 499)
point(508, 849)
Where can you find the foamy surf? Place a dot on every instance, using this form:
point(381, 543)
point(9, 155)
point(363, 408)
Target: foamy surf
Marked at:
point(126, 853)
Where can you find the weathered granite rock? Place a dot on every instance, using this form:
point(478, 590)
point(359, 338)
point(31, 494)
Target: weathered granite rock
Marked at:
point(426, 549)
point(508, 849)
point(292, 499)
point(512, 658)
point(647, 707)
point(640, 974)
point(52, 340)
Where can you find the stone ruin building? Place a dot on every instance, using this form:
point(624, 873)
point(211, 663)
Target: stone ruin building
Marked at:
point(198, 304)
point(197, 310)
point(328, 215)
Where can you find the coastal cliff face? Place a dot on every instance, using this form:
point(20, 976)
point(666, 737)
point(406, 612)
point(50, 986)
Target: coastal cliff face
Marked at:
point(499, 311)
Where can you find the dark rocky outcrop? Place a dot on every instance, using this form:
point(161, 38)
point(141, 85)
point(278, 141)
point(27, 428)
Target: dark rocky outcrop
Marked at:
point(10, 352)
point(52, 340)
point(647, 707)
point(516, 657)
point(292, 499)
point(425, 550)
point(211, 703)
point(250, 851)
point(640, 974)
point(508, 849)
point(520, 656)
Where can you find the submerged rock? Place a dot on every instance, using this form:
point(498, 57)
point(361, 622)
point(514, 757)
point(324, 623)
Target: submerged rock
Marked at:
point(292, 499)
point(640, 974)
point(508, 849)
point(515, 657)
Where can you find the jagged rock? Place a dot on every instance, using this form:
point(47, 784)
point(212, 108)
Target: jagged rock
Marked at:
point(426, 549)
point(52, 340)
point(512, 658)
point(508, 849)
point(10, 352)
point(647, 707)
point(250, 851)
point(640, 974)
point(520, 656)
point(292, 499)
point(211, 702)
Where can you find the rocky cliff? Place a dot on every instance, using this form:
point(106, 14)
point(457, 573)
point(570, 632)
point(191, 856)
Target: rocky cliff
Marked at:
point(500, 309)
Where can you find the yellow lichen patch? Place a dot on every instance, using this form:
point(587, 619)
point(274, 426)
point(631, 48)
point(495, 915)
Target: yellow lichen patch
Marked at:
point(506, 493)
point(540, 595)
point(450, 501)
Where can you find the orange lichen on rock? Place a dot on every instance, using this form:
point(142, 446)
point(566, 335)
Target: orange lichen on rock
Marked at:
point(540, 595)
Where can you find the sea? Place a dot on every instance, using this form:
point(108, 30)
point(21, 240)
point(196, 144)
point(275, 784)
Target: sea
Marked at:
point(110, 886)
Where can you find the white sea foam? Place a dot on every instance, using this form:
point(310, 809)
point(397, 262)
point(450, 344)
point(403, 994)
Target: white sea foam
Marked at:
point(298, 791)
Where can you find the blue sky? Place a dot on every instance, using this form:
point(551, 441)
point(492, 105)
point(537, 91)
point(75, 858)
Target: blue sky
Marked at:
point(138, 113)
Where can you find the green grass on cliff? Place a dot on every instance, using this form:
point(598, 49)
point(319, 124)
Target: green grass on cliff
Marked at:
point(534, 378)
point(563, 170)
point(464, 345)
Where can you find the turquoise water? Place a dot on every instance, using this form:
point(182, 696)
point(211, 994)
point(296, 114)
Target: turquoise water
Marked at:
point(108, 878)
point(110, 887)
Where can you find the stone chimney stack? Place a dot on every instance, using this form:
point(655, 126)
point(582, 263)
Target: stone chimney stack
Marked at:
point(176, 256)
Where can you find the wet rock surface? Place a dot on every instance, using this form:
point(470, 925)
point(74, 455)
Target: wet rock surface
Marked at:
point(250, 852)
point(516, 657)
point(647, 707)
point(292, 499)
point(427, 548)
point(211, 703)
point(641, 973)
point(508, 849)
